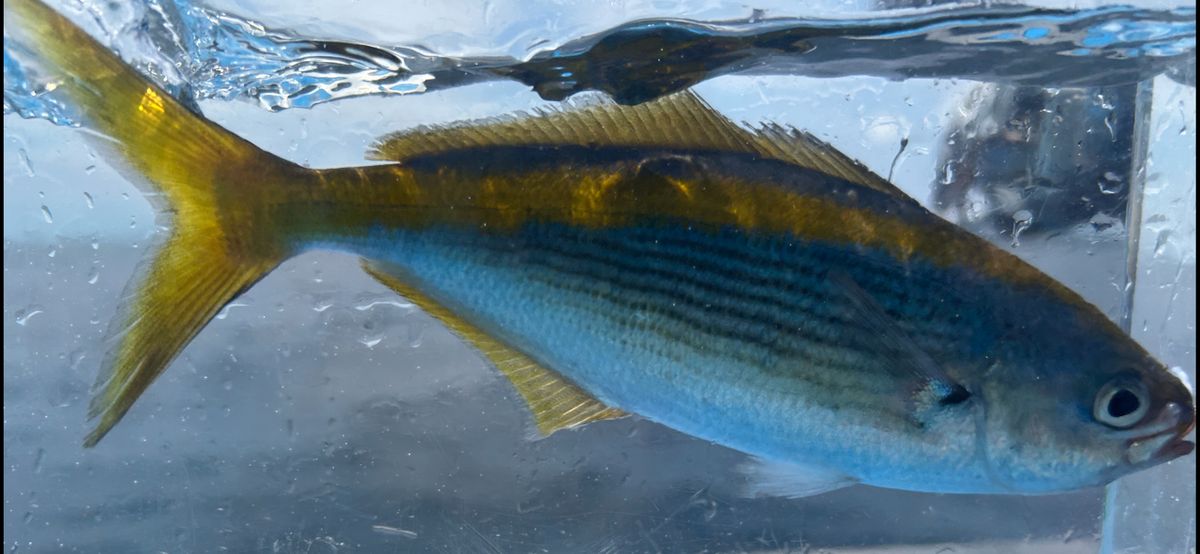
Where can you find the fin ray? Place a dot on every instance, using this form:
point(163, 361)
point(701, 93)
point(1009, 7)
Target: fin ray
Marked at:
point(590, 120)
point(805, 150)
point(932, 381)
point(554, 402)
point(174, 303)
point(679, 121)
point(192, 170)
point(770, 478)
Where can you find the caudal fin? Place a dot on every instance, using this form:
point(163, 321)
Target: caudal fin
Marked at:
point(210, 182)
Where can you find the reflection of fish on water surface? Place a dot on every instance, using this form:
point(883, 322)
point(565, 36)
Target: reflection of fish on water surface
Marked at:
point(753, 288)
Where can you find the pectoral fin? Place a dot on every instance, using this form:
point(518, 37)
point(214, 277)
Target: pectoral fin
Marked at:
point(767, 478)
point(933, 386)
point(554, 402)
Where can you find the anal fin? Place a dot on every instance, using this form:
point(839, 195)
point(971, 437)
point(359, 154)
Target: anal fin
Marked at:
point(554, 402)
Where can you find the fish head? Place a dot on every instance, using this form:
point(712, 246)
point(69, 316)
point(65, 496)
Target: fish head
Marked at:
point(1078, 403)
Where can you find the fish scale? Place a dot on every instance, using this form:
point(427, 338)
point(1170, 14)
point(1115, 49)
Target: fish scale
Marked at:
point(509, 303)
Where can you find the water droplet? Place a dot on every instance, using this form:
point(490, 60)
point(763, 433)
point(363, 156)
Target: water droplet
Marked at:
point(132, 222)
point(25, 163)
point(89, 169)
point(948, 173)
point(416, 335)
point(396, 303)
point(1102, 222)
point(710, 510)
point(1111, 183)
point(77, 357)
point(91, 204)
point(371, 341)
point(1161, 243)
point(224, 313)
point(49, 217)
point(1021, 221)
point(25, 314)
point(394, 531)
point(93, 275)
point(322, 306)
point(28, 517)
point(125, 195)
point(1182, 375)
point(37, 460)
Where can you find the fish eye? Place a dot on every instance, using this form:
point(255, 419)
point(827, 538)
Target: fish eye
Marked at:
point(1121, 403)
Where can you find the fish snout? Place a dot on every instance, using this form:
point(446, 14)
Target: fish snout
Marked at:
point(1165, 436)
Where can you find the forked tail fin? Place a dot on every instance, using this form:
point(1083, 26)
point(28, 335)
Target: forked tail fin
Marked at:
point(213, 184)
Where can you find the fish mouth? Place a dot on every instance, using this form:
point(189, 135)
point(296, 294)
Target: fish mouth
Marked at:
point(1163, 445)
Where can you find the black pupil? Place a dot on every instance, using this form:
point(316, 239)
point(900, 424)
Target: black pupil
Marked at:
point(1123, 403)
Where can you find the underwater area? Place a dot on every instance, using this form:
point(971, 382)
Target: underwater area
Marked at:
point(321, 412)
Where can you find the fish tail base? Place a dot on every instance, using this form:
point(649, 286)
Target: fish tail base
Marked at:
point(214, 188)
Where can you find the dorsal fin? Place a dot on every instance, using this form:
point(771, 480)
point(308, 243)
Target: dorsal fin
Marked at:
point(805, 150)
point(554, 402)
point(679, 121)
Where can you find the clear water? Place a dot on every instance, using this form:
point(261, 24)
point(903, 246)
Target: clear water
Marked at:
point(320, 413)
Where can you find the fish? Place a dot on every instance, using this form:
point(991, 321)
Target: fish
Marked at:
point(750, 286)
